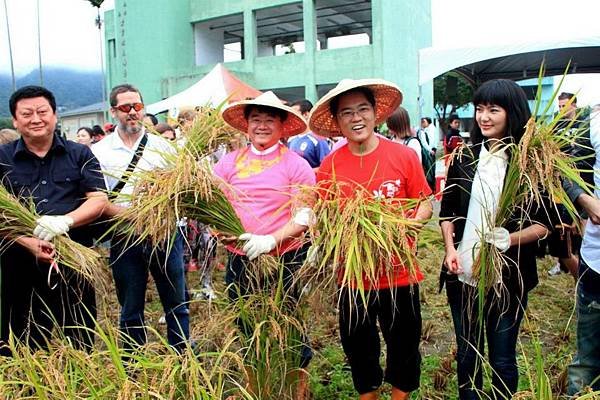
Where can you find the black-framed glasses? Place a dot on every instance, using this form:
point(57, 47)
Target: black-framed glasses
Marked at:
point(126, 108)
point(362, 111)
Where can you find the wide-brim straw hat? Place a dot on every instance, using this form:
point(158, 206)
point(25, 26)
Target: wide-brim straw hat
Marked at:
point(387, 99)
point(233, 114)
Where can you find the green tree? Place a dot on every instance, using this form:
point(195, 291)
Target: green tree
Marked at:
point(96, 3)
point(6, 123)
point(450, 91)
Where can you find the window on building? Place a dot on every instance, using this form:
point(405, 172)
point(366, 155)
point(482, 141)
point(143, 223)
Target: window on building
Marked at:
point(280, 30)
point(344, 23)
point(324, 88)
point(232, 51)
point(338, 42)
point(219, 40)
point(530, 91)
point(112, 48)
point(288, 94)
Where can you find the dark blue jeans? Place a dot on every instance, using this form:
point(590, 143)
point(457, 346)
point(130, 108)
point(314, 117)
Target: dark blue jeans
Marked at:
point(502, 318)
point(585, 368)
point(130, 266)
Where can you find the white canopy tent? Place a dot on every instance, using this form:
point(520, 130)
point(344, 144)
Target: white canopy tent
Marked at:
point(511, 61)
point(215, 87)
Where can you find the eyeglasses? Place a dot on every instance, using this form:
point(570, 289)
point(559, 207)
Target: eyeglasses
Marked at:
point(362, 111)
point(126, 108)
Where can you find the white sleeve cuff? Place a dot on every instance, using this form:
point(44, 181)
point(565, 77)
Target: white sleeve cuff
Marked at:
point(304, 216)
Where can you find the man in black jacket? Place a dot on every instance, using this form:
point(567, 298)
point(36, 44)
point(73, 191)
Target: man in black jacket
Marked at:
point(63, 180)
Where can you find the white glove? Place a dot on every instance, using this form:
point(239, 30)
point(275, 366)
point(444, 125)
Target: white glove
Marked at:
point(304, 216)
point(49, 226)
point(498, 237)
point(257, 244)
point(312, 254)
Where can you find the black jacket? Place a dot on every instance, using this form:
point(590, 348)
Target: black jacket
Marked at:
point(455, 205)
point(56, 183)
point(584, 152)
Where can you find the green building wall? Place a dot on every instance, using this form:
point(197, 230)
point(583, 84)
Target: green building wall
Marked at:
point(150, 44)
point(147, 41)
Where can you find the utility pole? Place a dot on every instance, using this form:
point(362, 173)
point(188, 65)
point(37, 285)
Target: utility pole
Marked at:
point(10, 55)
point(104, 100)
point(39, 44)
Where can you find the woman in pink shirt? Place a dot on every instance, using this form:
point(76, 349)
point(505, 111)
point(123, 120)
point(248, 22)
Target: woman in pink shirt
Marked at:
point(263, 183)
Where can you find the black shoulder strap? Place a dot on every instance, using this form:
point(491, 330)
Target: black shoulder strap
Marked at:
point(136, 157)
point(407, 140)
point(426, 135)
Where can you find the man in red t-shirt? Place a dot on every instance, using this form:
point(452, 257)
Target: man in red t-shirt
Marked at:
point(386, 170)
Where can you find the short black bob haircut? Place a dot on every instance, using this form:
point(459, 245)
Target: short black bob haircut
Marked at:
point(511, 97)
point(29, 92)
point(304, 105)
point(87, 129)
point(334, 104)
point(271, 111)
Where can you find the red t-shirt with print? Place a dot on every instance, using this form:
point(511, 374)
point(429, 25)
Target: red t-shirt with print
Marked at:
point(392, 170)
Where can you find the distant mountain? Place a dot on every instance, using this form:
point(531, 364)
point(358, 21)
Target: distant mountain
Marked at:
point(71, 88)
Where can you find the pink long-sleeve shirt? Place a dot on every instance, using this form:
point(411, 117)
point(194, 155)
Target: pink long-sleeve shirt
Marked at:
point(262, 187)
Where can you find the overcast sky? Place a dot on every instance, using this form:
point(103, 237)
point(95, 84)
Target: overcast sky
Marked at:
point(70, 37)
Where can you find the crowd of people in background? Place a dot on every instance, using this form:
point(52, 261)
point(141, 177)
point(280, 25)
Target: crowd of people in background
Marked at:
point(288, 146)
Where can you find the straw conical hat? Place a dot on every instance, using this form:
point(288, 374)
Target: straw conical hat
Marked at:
point(387, 98)
point(233, 114)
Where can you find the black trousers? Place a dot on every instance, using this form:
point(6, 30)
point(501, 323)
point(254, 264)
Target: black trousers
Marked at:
point(31, 309)
point(398, 312)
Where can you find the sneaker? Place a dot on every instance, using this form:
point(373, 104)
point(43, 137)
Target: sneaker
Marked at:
point(555, 270)
point(162, 320)
point(205, 294)
point(210, 294)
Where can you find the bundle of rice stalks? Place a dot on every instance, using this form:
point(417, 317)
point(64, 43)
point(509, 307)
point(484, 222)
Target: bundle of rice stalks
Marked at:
point(163, 196)
point(214, 209)
point(17, 220)
point(544, 160)
point(183, 187)
point(207, 132)
point(271, 336)
point(364, 238)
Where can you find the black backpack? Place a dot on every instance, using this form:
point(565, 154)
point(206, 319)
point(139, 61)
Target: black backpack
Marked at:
point(427, 162)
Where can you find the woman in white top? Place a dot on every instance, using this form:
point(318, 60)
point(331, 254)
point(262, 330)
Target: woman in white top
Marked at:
point(474, 184)
point(399, 125)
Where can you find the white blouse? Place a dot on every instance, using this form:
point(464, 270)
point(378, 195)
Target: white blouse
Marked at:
point(485, 196)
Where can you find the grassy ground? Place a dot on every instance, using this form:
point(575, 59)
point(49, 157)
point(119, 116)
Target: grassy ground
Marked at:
point(67, 374)
point(550, 318)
